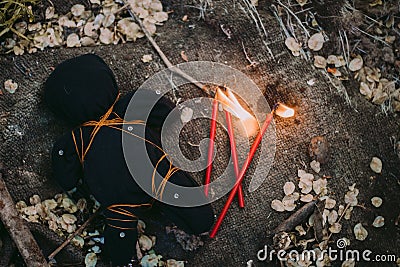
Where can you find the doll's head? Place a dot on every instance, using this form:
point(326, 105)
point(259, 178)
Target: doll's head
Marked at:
point(81, 89)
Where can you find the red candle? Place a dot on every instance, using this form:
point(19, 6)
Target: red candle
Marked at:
point(234, 156)
point(211, 144)
point(242, 173)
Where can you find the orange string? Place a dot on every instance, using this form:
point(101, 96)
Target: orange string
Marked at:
point(113, 123)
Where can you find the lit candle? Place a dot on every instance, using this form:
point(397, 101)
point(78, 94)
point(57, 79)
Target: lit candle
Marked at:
point(253, 149)
point(234, 156)
point(211, 144)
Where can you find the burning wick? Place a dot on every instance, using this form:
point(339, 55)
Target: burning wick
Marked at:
point(232, 105)
point(286, 111)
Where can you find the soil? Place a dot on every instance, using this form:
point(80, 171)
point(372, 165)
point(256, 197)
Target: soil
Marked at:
point(355, 132)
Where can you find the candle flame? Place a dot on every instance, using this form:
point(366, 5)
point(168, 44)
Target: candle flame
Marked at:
point(284, 111)
point(231, 104)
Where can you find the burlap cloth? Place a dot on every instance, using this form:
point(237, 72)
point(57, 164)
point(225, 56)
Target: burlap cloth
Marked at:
point(356, 133)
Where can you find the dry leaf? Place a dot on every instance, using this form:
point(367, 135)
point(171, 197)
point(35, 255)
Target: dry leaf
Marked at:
point(356, 64)
point(319, 62)
point(160, 16)
point(316, 41)
point(77, 10)
point(186, 114)
point(335, 228)
point(149, 25)
point(141, 226)
point(50, 204)
point(64, 21)
point(349, 263)
point(184, 56)
point(128, 27)
point(90, 260)
point(91, 30)
point(306, 198)
point(351, 197)
point(315, 166)
point(87, 41)
point(78, 241)
point(347, 214)
point(376, 201)
point(360, 232)
point(20, 205)
point(293, 45)
point(49, 13)
point(141, 12)
point(301, 230)
point(319, 186)
point(150, 260)
point(332, 217)
point(375, 3)
point(277, 205)
point(379, 96)
point(376, 165)
point(10, 86)
point(289, 206)
point(330, 203)
point(365, 90)
point(81, 204)
point(332, 60)
point(156, 5)
point(379, 222)
point(174, 263)
point(21, 27)
point(18, 50)
point(306, 181)
point(106, 36)
point(108, 20)
point(69, 205)
point(334, 71)
point(302, 2)
point(289, 188)
point(147, 58)
point(69, 218)
point(145, 243)
point(73, 40)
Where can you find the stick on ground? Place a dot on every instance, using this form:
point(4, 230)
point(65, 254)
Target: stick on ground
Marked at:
point(296, 218)
point(164, 58)
point(19, 232)
point(69, 239)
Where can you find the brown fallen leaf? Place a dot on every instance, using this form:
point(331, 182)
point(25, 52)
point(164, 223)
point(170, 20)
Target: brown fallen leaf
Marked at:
point(184, 56)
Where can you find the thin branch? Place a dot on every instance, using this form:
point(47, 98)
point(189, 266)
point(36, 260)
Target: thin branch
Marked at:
point(164, 58)
point(372, 36)
point(69, 239)
point(259, 24)
point(296, 17)
point(19, 232)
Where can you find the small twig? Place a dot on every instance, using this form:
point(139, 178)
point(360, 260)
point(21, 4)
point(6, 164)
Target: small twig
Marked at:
point(121, 9)
point(69, 239)
point(259, 24)
point(372, 36)
point(340, 218)
point(164, 58)
point(296, 17)
point(19, 232)
point(252, 63)
point(287, 34)
point(296, 218)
